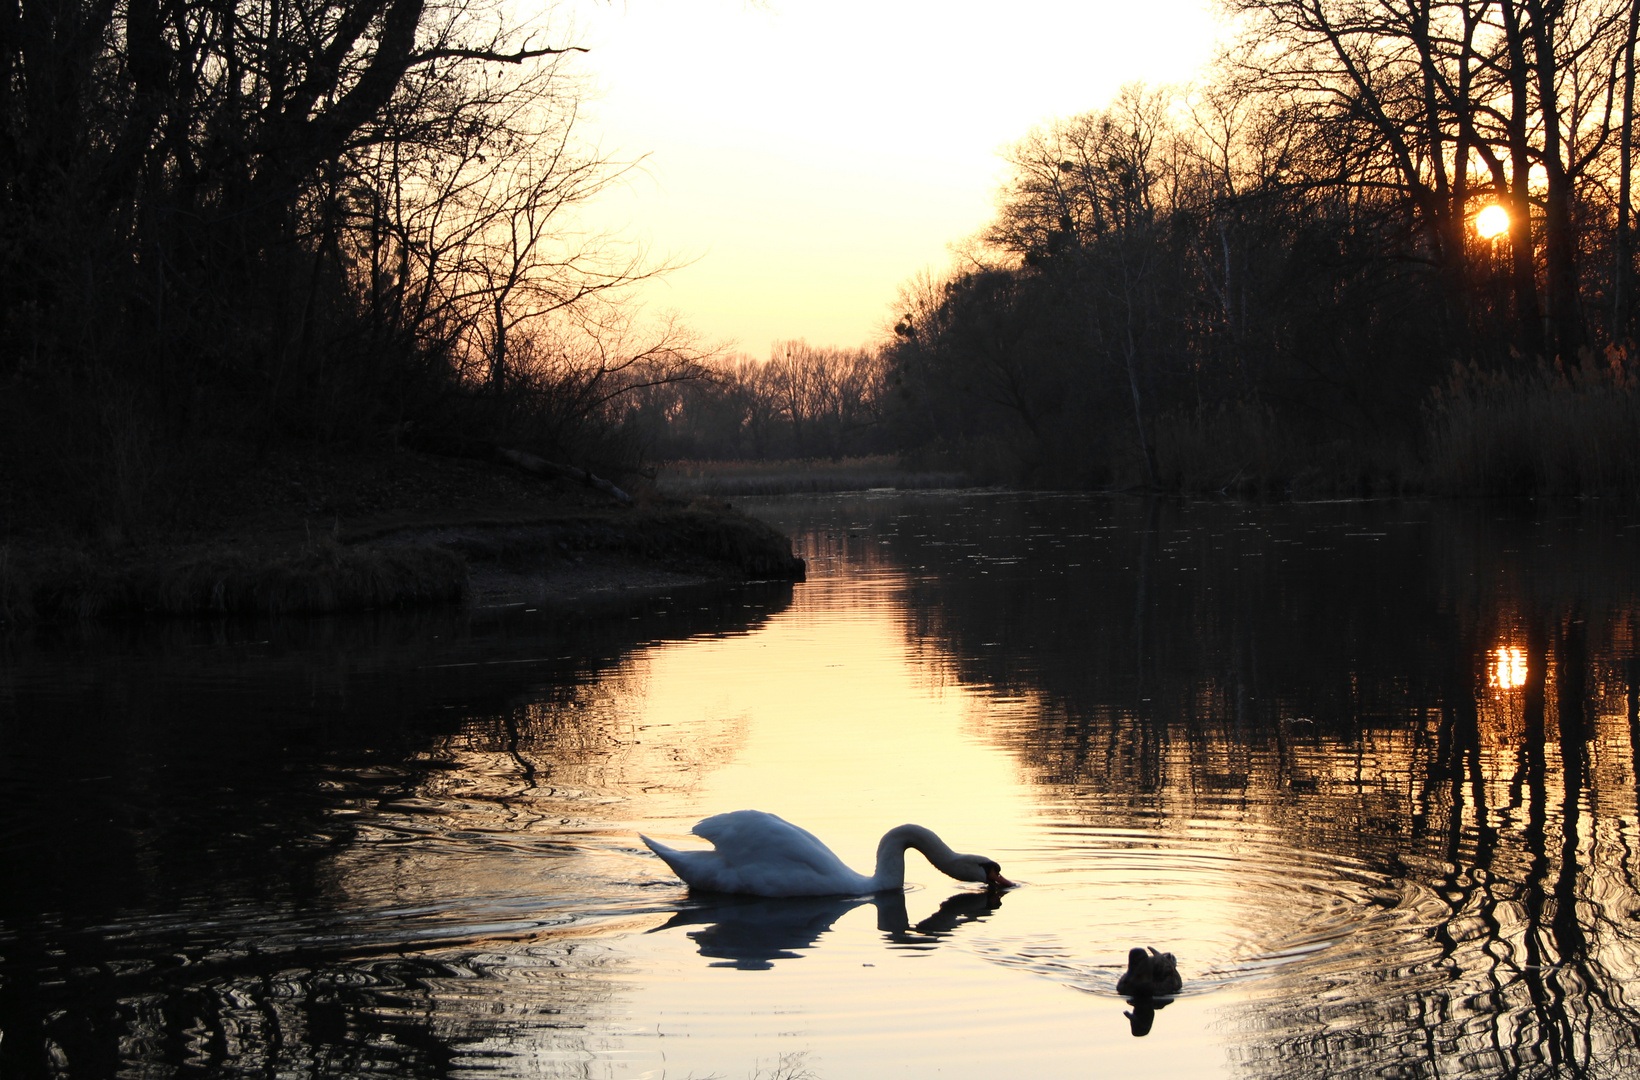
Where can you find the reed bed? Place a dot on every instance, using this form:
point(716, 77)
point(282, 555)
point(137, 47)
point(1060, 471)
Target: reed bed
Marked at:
point(730, 479)
point(1547, 431)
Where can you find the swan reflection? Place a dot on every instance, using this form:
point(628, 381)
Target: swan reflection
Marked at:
point(954, 910)
point(750, 933)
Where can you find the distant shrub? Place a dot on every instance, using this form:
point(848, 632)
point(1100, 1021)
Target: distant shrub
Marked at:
point(16, 596)
point(752, 477)
point(1235, 448)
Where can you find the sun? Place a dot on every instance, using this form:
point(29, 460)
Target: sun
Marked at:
point(1492, 221)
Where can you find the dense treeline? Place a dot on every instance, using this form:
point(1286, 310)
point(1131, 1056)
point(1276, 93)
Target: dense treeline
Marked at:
point(1284, 262)
point(236, 223)
point(1274, 280)
point(1268, 277)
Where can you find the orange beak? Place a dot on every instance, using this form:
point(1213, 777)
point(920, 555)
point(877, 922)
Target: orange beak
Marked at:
point(995, 879)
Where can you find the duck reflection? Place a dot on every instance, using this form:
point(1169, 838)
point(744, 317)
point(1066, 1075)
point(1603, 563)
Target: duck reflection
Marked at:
point(1144, 1015)
point(750, 933)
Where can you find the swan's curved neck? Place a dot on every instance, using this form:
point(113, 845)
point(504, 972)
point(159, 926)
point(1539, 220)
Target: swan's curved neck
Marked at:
point(891, 853)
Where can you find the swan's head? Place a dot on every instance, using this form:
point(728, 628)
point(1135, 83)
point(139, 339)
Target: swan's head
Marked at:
point(961, 867)
point(977, 868)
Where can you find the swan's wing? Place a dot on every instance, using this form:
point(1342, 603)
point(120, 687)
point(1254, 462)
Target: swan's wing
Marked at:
point(762, 855)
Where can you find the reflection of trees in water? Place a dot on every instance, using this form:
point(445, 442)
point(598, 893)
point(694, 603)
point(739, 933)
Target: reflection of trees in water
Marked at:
point(1529, 869)
point(1270, 668)
point(208, 829)
point(364, 1015)
point(561, 742)
point(523, 786)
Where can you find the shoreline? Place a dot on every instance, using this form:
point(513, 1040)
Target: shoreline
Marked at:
point(565, 560)
point(444, 532)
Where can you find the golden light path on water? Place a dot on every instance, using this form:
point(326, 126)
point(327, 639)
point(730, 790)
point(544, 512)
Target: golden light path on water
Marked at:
point(848, 729)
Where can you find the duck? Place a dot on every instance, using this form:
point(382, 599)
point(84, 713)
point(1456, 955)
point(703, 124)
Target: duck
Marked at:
point(1152, 974)
point(755, 853)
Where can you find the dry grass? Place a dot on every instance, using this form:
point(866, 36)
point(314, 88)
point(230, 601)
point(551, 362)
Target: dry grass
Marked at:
point(319, 578)
point(725, 479)
point(1541, 432)
point(668, 536)
point(411, 565)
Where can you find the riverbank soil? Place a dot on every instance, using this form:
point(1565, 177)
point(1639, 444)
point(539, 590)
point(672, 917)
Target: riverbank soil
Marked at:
point(317, 532)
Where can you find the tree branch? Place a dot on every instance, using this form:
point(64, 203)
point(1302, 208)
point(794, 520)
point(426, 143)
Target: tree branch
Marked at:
point(488, 54)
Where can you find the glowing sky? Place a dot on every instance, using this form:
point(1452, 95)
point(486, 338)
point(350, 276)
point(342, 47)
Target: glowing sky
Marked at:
point(814, 154)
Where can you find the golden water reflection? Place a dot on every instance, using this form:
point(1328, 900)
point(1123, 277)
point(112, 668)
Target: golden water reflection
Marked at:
point(1412, 864)
point(1388, 864)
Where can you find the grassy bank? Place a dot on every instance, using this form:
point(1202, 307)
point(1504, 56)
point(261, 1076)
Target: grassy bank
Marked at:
point(358, 532)
point(412, 564)
point(325, 577)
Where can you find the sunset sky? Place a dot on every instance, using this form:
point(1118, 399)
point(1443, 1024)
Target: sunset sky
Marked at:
point(811, 155)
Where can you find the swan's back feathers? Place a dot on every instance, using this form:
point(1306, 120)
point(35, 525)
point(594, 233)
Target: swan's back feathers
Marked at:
point(755, 834)
point(761, 854)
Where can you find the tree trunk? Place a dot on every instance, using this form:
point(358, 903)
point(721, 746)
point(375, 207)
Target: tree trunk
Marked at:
point(1132, 357)
point(498, 362)
point(1560, 251)
point(1623, 268)
point(1523, 265)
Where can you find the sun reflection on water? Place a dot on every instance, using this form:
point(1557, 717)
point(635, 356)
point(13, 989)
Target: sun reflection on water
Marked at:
point(1508, 668)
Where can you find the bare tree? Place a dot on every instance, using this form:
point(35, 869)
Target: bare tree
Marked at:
point(302, 217)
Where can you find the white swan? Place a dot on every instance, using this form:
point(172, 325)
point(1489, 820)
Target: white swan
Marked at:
point(760, 854)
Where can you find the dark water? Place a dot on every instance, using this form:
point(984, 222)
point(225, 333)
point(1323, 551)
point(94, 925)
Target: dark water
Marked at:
point(1366, 768)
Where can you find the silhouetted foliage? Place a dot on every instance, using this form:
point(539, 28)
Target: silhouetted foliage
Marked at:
point(332, 220)
point(1265, 282)
point(1259, 282)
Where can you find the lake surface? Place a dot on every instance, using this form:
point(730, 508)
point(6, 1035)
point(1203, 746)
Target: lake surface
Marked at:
point(1367, 769)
